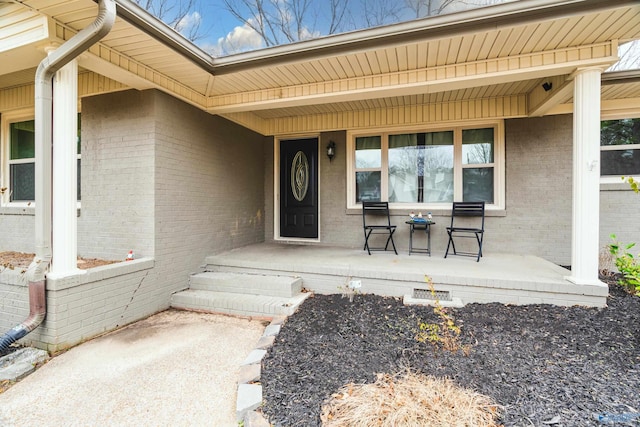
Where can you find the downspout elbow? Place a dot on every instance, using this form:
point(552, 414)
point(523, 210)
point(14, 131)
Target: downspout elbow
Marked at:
point(37, 313)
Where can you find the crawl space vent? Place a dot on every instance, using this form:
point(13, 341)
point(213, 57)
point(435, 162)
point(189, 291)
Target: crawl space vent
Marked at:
point(426, 294)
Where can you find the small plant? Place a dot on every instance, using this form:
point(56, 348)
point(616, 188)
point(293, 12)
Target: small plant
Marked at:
point(632, 183)
point(627, 264)
point(350, 289)
point(446, 333)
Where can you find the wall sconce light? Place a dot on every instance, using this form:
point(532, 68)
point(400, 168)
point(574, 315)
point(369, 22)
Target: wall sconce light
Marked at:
point(547, 86)
point(331, 150)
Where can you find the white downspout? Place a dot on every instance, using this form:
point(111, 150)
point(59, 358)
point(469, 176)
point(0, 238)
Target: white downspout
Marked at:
point(43, 146)
point(43, 127)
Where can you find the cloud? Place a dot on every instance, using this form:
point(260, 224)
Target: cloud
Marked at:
point(306, 34)
point(188, 23)
point(241, 39)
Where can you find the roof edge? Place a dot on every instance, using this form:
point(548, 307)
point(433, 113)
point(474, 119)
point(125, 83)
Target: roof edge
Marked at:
point(490, 17)
point(146, 22)
point(621, 77)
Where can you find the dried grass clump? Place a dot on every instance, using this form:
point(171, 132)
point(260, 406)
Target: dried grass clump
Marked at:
point(408, 399)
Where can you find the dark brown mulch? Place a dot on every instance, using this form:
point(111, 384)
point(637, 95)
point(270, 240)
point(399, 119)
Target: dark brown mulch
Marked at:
point(542, 363)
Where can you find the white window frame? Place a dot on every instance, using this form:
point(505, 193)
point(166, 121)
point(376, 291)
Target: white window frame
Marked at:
point(457, 128)
point(6, 119)
point(627, 114)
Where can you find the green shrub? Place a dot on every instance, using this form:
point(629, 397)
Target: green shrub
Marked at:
point(627, 264)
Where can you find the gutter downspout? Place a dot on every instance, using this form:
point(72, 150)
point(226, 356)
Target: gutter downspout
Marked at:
point(43, 169)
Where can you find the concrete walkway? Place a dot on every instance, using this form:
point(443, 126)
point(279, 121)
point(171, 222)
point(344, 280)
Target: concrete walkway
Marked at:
point(173, 369)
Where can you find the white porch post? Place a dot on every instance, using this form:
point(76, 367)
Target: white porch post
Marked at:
point(586, 177)
point(65, 134)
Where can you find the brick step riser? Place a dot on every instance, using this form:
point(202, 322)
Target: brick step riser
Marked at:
point(251, 284)
point(235, 304)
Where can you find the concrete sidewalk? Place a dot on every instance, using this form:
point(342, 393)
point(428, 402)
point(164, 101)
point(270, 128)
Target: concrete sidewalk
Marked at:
point(173, 369)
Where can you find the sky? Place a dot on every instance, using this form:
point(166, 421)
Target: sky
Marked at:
point(224, 33)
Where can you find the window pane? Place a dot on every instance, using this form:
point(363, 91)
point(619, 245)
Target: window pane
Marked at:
point(620, 132)
point(368, 153)
point(477, 185)
point(421, 167)
point(22, 140)
point(620, 162)
point(22, 177)
point(438, 167)
point(79, 140)
point(404, 159)
point(477, 146)
point(78, 180)
point(368, 186)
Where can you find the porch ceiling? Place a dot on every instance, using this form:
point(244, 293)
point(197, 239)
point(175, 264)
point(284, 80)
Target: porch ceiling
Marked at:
point(502, 51)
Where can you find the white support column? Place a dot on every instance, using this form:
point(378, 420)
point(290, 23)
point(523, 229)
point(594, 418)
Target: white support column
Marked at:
point(586, 177)
point(65, 171)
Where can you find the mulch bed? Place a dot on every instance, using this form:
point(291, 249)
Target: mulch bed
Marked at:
point(545, 365)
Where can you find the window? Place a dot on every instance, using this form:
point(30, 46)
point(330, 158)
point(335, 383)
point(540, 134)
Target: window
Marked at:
point(22, 161)
point(420, 168)
point(19, 177)
point(620, 147)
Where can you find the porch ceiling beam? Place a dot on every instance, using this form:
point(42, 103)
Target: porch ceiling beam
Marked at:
point(620, 107)
point(428, 80)
point(437, 112)
point(250, 121)
point(541, 100)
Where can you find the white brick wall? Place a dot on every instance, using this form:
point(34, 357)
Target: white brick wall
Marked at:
point(14, 299)
point(17, 232)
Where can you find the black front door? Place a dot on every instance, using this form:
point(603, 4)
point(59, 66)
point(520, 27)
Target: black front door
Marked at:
point(299, 188)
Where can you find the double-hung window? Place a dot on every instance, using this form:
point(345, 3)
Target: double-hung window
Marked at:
point(619, 148)
point(420, 168)
point(22, 161)
point(19, 175)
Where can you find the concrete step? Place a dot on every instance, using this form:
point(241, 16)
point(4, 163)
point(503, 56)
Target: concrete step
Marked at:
point(237, 304)
point(245, 283)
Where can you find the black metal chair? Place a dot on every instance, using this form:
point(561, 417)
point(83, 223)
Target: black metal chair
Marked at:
point(466, 209)
point(376, 220)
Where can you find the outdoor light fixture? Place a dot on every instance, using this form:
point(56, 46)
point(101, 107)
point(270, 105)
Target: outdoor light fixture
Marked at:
point(547, 86)
point(331, 150)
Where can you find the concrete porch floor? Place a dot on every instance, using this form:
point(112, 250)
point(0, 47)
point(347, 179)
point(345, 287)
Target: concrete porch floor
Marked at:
point(504, 278)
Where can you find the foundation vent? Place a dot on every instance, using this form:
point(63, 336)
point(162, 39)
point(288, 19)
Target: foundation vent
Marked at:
point(426, 294)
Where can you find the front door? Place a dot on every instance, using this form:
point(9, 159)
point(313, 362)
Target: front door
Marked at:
point(299, 188)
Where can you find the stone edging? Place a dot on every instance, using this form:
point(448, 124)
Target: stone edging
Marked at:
point(249, 388)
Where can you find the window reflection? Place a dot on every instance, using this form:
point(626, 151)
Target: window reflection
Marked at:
point(421, 167)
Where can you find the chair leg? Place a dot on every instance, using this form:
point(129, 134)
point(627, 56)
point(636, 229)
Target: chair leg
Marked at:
point(479, 238)
point(366, 241)
point(392, 243)
point(452, 244)
point(448, 244)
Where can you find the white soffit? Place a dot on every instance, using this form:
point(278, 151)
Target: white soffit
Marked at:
point(20, 27)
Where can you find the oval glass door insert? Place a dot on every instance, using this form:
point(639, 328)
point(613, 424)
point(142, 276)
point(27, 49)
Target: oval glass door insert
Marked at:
point(299, 176)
